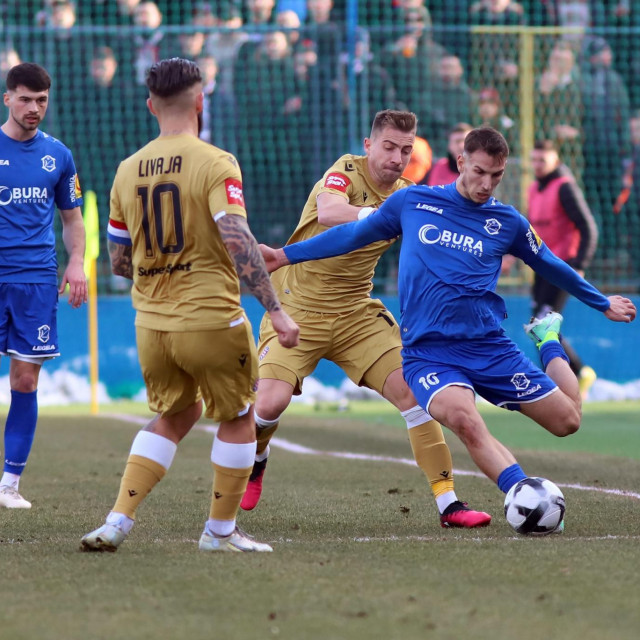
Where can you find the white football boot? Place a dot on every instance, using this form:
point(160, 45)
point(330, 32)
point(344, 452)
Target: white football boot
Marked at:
point(109, 536)
point(11, 499)
point(237, 541)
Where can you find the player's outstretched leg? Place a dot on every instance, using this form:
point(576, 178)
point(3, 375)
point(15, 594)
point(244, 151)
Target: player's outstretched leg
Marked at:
point(430, 451)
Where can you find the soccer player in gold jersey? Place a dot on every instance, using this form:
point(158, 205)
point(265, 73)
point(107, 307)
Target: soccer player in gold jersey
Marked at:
point(330, 300)
point(178, 229)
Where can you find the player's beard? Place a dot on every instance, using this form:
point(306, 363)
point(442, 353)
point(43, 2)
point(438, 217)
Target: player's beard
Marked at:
point(199, 124)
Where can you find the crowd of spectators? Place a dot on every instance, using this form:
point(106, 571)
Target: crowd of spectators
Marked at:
point(289, 88)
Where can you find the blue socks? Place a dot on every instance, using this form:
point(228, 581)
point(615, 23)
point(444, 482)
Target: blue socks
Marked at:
point(510, 476)
point(550, 350)
point(20, 430)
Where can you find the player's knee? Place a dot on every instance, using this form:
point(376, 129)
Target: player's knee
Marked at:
point(464, 424)
point(566, 422)
point(26, 382)
point(271, 407)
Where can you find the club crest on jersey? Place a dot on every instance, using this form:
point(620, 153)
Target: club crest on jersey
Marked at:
point(234, 191)
point(337, 181)
point(43, 333)
point(492, 226)
point(48, 163)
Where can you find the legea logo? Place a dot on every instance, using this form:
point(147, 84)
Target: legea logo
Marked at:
point(430, 234)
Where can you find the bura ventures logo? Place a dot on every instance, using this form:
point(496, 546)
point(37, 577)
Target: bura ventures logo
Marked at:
point(22, 195)
point(430, 234)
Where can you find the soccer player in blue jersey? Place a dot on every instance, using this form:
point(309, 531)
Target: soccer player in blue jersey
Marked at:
point(453, 240)
point(37, 173)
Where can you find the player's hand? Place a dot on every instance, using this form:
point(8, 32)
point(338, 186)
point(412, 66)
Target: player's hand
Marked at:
point(287, 330)
point(621, 309)
point(75, 278)
point(273, 258)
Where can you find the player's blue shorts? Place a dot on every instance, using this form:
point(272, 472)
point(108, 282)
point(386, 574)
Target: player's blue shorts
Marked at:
point(28, 325)
point(494, 367)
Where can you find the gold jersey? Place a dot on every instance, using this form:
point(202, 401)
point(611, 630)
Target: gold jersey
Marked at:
point(335, 285)
point(164, 198)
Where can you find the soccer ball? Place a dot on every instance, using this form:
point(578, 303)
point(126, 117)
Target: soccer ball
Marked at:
point(534, 506)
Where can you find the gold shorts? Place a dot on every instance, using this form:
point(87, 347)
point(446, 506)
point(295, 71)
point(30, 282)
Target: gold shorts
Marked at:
point(180, 368)
point(365, 343)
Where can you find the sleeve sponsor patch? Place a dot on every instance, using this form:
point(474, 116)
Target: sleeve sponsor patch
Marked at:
point(234, 191)
point(76, 187)
point(337, 181)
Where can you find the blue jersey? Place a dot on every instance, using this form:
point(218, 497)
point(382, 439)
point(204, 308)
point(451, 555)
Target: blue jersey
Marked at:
point(35, 176)
point(450, 260)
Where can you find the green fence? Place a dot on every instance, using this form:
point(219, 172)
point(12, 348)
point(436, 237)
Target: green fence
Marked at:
point(288, 92)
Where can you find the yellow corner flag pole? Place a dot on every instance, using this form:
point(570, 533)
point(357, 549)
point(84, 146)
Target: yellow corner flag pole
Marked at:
point(91, 226)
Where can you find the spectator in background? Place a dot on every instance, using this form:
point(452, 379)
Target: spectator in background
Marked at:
point(147, 44)
point(218, 110)
point(260, 16)
point(494, 57)
point(8, 58)
point(290, 23)
point(561, 216)
point(374, 87)
point(627, 205)
point(127, 8)
point(222, 45)
point(412, 60)
point(59, 14)
point(453, 15)
point(268, 136)
point(443, 102)
point(624, 17)
point(299, 6)
point(420, 161)
point(491, 114)
point(605, 124)
point(191, 45)
point(558, 105)
point(321, 116)
point(323, 31)
point(445, 170)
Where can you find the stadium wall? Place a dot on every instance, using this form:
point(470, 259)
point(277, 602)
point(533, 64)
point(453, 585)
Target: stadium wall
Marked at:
point(611, 349)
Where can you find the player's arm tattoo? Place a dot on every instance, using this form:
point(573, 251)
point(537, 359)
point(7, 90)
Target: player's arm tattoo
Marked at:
point(244, 252)
point(121, 262)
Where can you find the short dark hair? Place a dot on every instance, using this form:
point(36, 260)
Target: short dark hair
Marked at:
point(404, 121)
point(30, 75)
point(544, 145)
point(489, 140)
point(170, 77)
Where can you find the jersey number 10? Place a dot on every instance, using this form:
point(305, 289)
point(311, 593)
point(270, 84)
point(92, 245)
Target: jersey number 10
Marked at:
point(157, 209)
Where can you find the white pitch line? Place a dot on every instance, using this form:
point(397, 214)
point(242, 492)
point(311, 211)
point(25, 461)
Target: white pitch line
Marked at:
point(292, 447)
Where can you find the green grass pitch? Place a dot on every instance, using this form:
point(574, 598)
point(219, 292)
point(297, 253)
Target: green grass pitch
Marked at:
point(358, 550)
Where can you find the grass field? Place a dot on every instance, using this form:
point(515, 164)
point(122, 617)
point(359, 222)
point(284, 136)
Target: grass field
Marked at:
point(358, 551)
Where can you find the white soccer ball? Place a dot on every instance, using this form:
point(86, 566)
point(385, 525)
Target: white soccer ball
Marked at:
point(534, 506)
